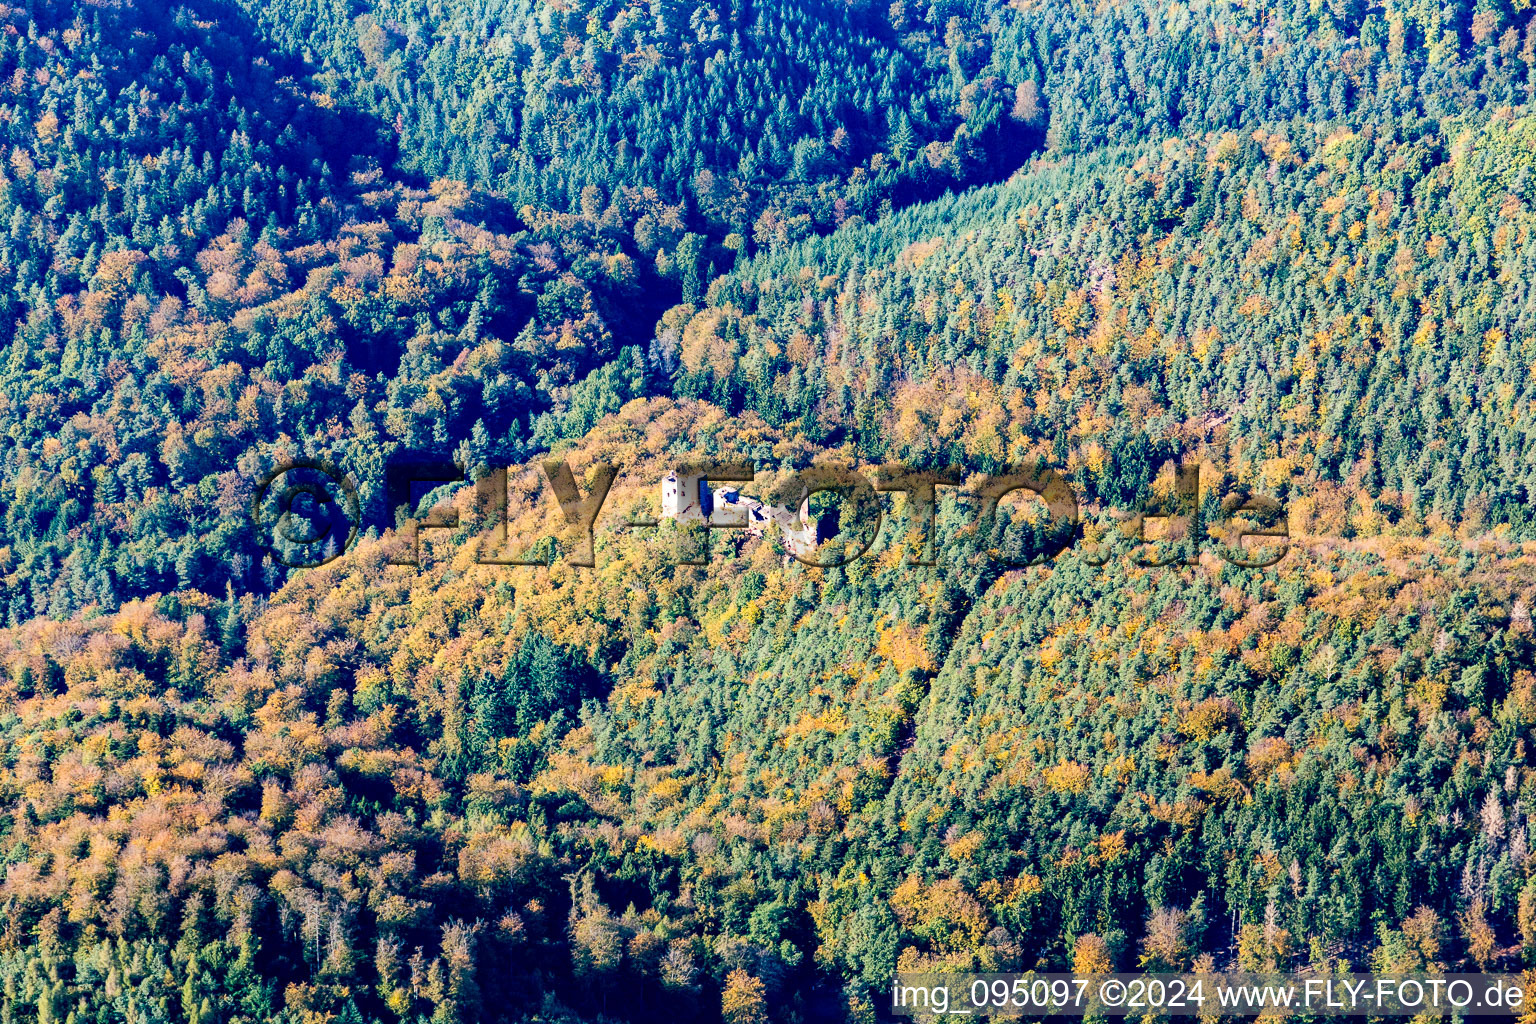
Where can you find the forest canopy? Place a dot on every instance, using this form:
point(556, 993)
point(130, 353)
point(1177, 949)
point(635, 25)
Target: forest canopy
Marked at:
point(1288, 243)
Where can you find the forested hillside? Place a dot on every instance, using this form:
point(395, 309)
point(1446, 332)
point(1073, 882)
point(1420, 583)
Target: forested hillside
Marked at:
point(1291, 243)
point(648, 791)
point(201, 286)
point(1320, 325)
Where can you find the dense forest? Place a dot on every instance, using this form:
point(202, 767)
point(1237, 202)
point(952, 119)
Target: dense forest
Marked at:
point(1288, 243)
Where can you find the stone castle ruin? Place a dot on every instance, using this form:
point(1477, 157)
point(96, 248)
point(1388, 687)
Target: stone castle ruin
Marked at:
point(688, 498)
